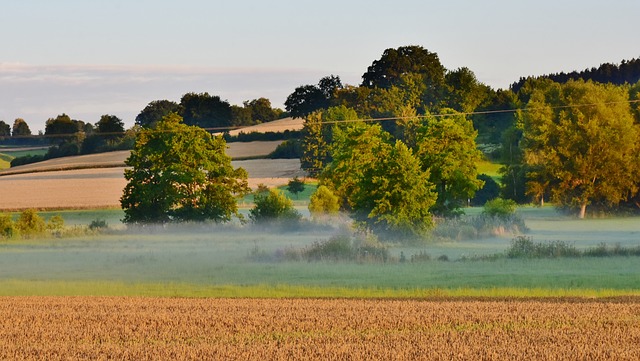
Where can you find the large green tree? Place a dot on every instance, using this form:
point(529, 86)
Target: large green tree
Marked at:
point(180, 173)
point(447, 149)
point(379, 181)
point(581, 142)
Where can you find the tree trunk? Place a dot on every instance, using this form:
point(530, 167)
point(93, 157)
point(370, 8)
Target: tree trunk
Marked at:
point(583, 210)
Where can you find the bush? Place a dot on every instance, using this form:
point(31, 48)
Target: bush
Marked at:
point(30, 223)
point(344, 248)
point(323, 201)
point(56, 225)
point(7, 227)
point(500, 207)
point(272, 206)
point(524, 247)
point(98, 224)
point(289, 149)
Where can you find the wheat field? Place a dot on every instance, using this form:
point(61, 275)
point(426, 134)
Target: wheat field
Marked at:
point(39, 328)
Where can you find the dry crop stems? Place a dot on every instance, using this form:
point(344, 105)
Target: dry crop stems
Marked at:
point(165, 328)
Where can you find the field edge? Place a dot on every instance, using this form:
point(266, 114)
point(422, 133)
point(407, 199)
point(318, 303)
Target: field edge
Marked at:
point(25, 288)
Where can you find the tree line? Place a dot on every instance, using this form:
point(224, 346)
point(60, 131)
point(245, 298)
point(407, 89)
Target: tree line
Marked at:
point(573, 143)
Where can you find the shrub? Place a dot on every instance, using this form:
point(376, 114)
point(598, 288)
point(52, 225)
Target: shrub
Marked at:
point(524, 247)
point(98, 224)
point(271, 206)
point(323, 201)
point(289, 149)
point(30, 223)
point(500, 207)
point(344, 248)
point(55, 225)
point(7, 226)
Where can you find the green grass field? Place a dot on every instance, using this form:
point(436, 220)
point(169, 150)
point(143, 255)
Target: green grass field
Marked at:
point(199, 260)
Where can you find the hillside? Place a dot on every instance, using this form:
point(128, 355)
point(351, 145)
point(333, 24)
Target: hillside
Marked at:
point(97, 180)
point(275, 126)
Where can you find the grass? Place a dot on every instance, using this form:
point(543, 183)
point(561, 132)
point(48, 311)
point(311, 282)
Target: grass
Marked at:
point(197, 260)
point(120, 289)
point(489, 168)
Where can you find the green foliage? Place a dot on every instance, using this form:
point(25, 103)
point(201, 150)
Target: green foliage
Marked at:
point(323, 201)
point(7, 226)
point(580, 144)
point(447, 151)
point(289, 149)
point(307, 99)
point(524, 247)
point(155, 111)
point(499, 207)
point(295, 186)
point(339, 248)
point(30, 224)
point(55, 225)
point(180, 173)
point(273, 206)
point(377, 181)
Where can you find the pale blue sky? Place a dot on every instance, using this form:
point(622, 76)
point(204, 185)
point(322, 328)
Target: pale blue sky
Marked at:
point(93, 57)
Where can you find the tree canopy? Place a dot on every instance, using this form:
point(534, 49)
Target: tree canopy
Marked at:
point(155, 111)
point(180, 173)
point(581, 144)
point(376, 179)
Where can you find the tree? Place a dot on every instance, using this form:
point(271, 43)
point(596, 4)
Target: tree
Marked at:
point(271, 206)
point(5, 129)
point(489, 191)
point(61, 129)
point(447, 149)
point(30, 224)
point(295, 186)
point(317, 136)
point(580, 142)
point(464, 92)
point(20, 128)
point(307, 99)
point(388, 70)
point(377, 181)
point(155, 111)
point(180, 173)
point(110, 127)
point(205, 111)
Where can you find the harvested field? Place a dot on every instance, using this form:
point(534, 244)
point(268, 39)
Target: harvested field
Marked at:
point(247, 329)
point(279, 125)
point(102, 187)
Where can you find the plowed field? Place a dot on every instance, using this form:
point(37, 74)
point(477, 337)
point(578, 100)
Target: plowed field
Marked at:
point(300, 329)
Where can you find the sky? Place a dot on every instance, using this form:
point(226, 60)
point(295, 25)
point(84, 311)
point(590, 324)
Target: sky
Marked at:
point(87, 58)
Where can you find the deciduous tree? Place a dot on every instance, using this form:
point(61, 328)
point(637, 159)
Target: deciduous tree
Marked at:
point(580, 141)
point(180, 173)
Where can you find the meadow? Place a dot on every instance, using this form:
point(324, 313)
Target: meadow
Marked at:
point(209, 260)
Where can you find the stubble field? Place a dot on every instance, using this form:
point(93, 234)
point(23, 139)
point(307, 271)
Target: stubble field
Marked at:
point(244, 329)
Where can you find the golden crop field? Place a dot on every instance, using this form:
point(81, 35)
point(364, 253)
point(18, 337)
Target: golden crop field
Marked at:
point(48, 328)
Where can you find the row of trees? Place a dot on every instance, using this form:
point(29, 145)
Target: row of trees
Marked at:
point(558, 154)
point(210, 112)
